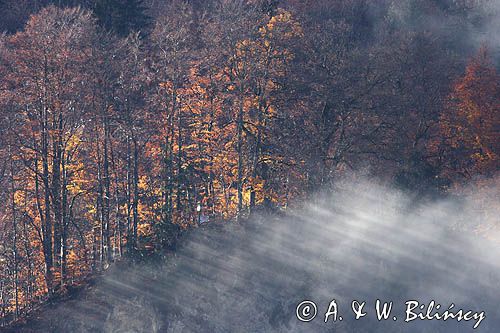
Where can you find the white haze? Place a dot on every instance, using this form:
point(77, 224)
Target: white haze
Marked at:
point(489, 34)
point(362, 241)
point(468, 30)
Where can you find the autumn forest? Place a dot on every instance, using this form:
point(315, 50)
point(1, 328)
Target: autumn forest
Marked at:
point(124, 123)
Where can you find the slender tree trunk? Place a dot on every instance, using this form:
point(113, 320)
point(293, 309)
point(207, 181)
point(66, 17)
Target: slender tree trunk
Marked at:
point(256, 155)
point(180, 174)
point(47, 227)
point(262, 109)
point(166, 181)
point(211, 175)
point(118, 215)
point(14, 237)
point(94, 248)
point(170, 171)
point(135, 202)
point(2, 303)
point(64, 226)
point(168, 164)
point(56, 188)
point(129, 192)
point(239, 150)
point(107, 194)
point(29, 261)
point(99, 206)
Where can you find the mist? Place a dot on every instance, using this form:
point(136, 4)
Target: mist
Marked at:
point(487, 34)
point(361, 241)
point(463, 27)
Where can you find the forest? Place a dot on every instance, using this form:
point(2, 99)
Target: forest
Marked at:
point(126, 123)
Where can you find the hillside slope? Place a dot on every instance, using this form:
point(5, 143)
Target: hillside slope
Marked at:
point(360, 244)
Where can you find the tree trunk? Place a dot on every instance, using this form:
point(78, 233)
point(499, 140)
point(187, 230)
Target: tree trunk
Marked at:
point(135, 202)
point(64, 226)
point(14, 237)
point(47, 227)
point(107, 194)
point(56, 188)
point(240, 155)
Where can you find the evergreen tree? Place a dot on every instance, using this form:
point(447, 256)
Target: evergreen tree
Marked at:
point(122, 16)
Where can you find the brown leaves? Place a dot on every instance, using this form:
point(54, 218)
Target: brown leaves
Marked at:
point(471, 122)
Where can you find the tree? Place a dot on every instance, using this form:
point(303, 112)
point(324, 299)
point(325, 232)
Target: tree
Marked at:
point(469, 123)
point(47, 88)
point(339, 84)
point(172, 46)
point(122, 16)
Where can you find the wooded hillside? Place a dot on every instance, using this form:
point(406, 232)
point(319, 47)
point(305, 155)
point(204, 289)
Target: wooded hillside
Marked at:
point(124, 122)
